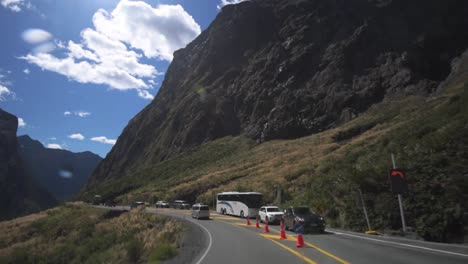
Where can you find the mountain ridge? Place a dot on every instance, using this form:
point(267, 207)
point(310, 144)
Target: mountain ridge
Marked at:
point(63, 173)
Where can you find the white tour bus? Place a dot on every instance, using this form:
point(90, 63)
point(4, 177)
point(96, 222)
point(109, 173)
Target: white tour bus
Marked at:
point(241, 204)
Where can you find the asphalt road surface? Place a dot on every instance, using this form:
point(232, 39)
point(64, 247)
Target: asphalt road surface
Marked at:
point(230, 240)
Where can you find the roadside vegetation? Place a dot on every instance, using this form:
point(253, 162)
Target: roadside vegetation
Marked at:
point(75, 233)
point(428, 136)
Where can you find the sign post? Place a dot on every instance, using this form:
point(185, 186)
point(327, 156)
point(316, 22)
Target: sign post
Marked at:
point(399, 189)
point(365, 211)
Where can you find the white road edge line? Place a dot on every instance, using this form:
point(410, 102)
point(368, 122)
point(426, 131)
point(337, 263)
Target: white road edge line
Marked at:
point(209, 244)
point(401, 244)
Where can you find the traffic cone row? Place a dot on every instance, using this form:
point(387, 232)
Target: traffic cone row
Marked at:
point(248, 220)
point(266, 229)
point(300, 241)
point(282, 233)
point(256, 224)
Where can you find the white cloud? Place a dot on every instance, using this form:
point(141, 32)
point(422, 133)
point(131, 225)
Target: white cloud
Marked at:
point(104, 140)
point(157, 31)
point(76, 136)
point(16, 5)
point(103, 55)
point(21, 122)
point(229, 2)
point(26, 71)
point(145, 95)
point(36, 36)
point(77, 113)
point(53, 138)
point(5, 92)
point(54, 146)
point(82, 114)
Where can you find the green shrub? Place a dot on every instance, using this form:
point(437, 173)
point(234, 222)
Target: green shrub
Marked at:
point(163, 251)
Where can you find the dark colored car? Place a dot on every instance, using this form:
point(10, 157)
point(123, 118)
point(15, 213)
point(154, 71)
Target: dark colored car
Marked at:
point(180, 204)
point(302, 215)
point(109, 203)
point(137, 204)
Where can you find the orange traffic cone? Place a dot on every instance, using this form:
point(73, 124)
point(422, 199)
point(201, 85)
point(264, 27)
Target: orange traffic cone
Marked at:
point(266, 229)
point(256, 224)
point(248, 220)
point(282, 233)
point(300, 241)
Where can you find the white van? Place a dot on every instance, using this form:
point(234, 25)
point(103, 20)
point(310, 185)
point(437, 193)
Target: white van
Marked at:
point(200, 211)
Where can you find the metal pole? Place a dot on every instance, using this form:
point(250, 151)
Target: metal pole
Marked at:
point(365, 211)
point(402, 213)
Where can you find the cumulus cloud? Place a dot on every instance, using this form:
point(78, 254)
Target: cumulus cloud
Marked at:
point(26, 71)
point(16, 5)
point(54, 146)
point(77, 113)
point(110, 53)
point(228, 2)
point(5, 92)
point(21, 122)
point(157, 31)
point(104, 140)
point(76, 136)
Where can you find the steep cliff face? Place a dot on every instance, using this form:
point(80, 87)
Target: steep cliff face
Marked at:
point(61, 172)
point(281, 69)
point(19, 194)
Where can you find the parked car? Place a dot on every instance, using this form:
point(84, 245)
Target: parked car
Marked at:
point(162, 204)
point(109, 203)
point(200, 211)
point(136, 204)
point(302, 215)
point(272, 214)
point(180, 204)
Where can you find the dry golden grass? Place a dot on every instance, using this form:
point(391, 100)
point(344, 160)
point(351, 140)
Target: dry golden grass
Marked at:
point(78, 233)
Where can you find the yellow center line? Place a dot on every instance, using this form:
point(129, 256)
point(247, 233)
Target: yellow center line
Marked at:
point(273, 237)
point(225, 218)
point(327, 253)
point(306, 259)
point(276, 237)
point(301, 256)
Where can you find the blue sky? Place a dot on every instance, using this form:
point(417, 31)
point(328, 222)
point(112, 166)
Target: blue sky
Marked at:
point(76, 71)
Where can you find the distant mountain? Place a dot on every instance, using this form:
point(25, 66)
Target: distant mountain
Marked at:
point(61, 172)
point(19, 193)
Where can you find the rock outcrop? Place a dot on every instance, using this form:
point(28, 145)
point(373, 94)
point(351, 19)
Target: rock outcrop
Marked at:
point(19, 194)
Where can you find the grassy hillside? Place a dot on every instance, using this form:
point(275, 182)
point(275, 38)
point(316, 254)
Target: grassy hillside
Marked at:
point(427, 135)
point(75, 233)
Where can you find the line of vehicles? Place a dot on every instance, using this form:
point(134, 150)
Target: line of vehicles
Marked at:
point(249, 204)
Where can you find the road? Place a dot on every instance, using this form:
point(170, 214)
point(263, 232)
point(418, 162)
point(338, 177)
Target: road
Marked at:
point(230, 240)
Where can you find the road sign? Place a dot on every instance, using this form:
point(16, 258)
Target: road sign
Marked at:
point(398, 180)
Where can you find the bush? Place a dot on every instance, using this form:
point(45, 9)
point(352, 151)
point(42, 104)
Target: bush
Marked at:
point(134, 250)
point(163, 251)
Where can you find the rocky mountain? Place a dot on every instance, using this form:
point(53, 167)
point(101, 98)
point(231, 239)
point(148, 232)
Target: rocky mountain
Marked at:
point(282, 69)
point(61, 172)
point(19, 193)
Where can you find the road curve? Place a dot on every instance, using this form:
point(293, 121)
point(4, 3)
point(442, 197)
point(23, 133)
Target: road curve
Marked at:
point(232, 243)
point(235, 242)
point(230, 240)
